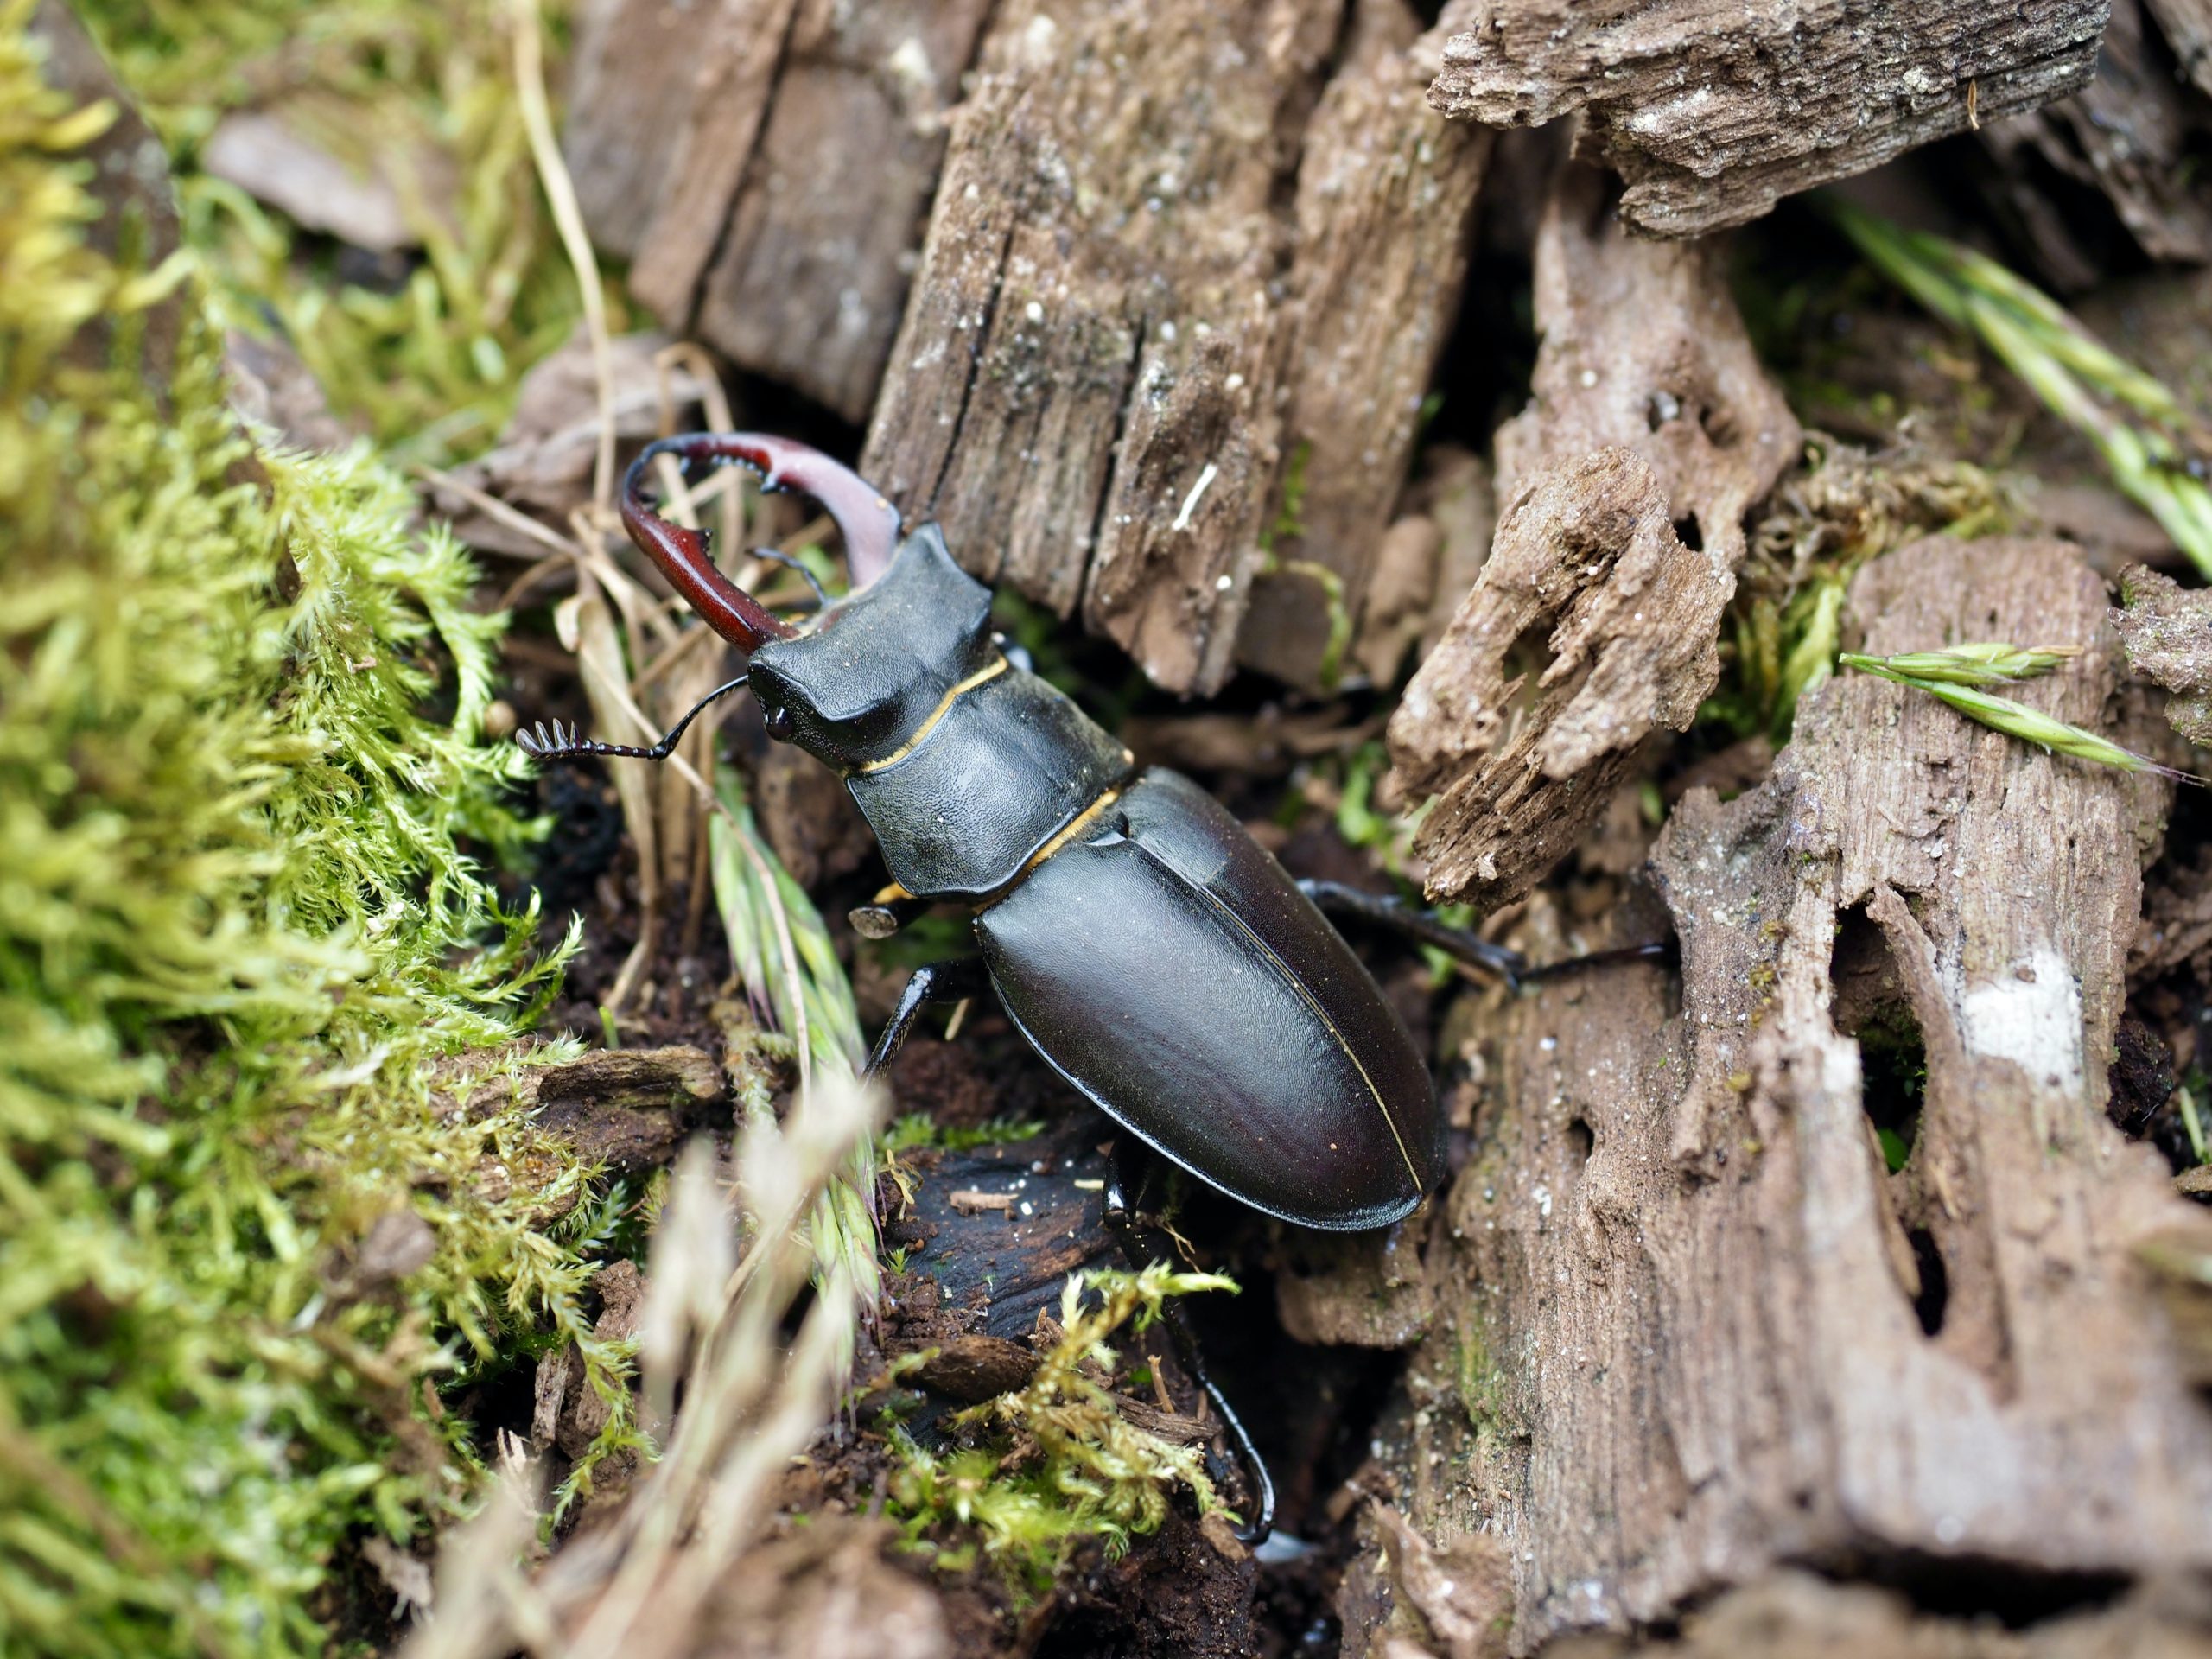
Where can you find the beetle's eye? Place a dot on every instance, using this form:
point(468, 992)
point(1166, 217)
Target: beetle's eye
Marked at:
point(779, 722)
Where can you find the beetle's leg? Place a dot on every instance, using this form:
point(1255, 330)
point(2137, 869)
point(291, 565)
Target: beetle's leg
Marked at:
point(1423, 927)
point(777, 555)
point(885, 914)
point(1125, 1206)
point(1656, 950)
point(1337, 899)
point(937, 981)
point(554, 741)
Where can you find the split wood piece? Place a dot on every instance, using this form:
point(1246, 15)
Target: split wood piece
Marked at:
point(1085, 388)
point(766, 164)
point(1586, 562)
point(1385, 216)
point(2187, 25)
point(631, 1108)
point(1711, 112)
point(1643, 346)
point(2167, 631)
point(1644, 351)
point(1691, 1329)
point(2132, 133)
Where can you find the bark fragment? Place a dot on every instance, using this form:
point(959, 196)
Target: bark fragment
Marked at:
point(1585, 552)
point(1386, 192)
point(765, 163)
point(1713, 113)
point(2131, 134)
point(1643, 354)
point(2167, 633)
point(1088, 372)
point(1671, 1293)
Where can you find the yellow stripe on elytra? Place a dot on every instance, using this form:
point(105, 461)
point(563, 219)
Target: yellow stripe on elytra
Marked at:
point(998, 666)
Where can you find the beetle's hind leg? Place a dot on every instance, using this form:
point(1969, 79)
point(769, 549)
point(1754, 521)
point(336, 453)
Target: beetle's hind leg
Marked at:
point(1424, 927)
point(937, 981)
point(557, 742)
point(1129, 1211)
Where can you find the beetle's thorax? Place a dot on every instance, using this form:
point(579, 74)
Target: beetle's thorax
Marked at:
point(964, 765)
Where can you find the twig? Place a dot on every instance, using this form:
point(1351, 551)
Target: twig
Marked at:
point(567, 218)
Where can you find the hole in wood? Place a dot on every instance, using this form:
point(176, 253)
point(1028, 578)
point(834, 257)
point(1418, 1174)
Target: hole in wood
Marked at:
point(1690, 536)
point(1935, 1282)
point(1870, 1007)
point(1581, 1140)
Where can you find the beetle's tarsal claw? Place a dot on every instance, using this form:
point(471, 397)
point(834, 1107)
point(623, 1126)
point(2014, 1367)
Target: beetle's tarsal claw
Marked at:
point(551, 741)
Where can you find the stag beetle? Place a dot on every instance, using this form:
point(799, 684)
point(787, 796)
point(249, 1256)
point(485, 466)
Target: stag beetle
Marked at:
point(1140, 940)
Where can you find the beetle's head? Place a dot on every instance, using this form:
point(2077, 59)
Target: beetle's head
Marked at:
point(869, 674)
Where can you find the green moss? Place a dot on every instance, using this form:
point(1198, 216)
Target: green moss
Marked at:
point(249, 969)
point(919, 1130)
point(428, 353)
point(1055, 1463)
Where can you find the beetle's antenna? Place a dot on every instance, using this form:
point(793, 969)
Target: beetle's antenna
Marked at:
point(868, 523)
point(554, 741)
point(776, 556)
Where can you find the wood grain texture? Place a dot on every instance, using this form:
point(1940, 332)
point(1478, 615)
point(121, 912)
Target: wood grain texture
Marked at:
point(2133, 134)
point(1689, 1327)
point(1644, 354)
point(1712, 111)
point(768, 164)
point(1387, 191)
point(1585, 561)
point(1086, 386)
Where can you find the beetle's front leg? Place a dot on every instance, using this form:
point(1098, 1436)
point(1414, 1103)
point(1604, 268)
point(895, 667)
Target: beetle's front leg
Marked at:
point(938, 982)
point(1128, 1208)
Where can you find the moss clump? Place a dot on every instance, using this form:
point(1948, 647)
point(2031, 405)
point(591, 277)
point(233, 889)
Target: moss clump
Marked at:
point(426, 351)
point(1057, 1463)
point(250, 968)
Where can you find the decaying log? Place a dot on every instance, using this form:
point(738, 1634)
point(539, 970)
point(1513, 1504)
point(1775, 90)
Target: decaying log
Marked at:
point(1689, 1327)
point(1387, 190)
point(1644, 352)
point(766, 165)
point(1584, 552)
point(1712, 111)
point(2132, 133)
point(1089, 373)
point(2167, 631)
point(137, 226)
point(2187, 25)
point(1170, 278)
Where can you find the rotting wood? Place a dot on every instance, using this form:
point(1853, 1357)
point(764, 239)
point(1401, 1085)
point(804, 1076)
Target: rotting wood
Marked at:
point(137, 226)
point(1644, 352)
point(1136, 322)
point(1713, 112)
point(1085, 390)
point(2187, 25)
point(1586, 553)
point(1677, 1287)
point(1386, 198)
point(2132, 133)
point(767, 166)
point(2167, 633)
